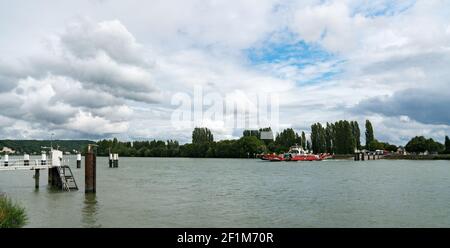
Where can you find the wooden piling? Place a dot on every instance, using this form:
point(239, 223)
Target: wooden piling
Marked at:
point(90, 171)
point(53, 177)
point(36, 178)
point(49, 178)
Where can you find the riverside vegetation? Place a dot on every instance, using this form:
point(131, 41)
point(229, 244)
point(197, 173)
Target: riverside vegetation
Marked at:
point(11, 214)
point(340, 138)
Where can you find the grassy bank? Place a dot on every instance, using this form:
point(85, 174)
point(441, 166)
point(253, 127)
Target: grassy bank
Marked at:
point(419, 157)
point(11, 214)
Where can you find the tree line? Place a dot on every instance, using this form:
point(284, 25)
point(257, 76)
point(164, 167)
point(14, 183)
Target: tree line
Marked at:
point(340, 137)
point(36, 146)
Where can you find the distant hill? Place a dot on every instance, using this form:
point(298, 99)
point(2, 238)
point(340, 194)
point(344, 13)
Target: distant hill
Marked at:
point(35, 146)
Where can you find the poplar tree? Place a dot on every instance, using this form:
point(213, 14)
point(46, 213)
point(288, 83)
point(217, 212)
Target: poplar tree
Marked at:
point(329, 136)
point(202, 135)
point(356, 134)
point(447, 145)
point(303, 140)
point(369, 134)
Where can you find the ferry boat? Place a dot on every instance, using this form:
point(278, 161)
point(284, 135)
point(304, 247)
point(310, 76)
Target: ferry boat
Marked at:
point(295, 153)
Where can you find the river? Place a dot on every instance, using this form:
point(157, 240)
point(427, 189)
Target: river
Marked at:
point(187, 192)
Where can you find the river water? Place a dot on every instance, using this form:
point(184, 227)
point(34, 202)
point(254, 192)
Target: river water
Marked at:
point(187, 192)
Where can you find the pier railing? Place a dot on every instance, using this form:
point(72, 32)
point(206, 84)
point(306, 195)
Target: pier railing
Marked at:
point(22, 164)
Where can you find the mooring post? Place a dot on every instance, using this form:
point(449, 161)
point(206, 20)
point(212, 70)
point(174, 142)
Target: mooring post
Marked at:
point(78, 161)
point(116, 160)
point(26, 159)
point(49, 178)
point(43, 159)
point(6, 159)
point(90, 171)
point(110, 160)
point(36, 178)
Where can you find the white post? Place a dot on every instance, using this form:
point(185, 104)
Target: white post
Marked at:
point(43, 159)
point(26, 159)
point(78, 160)
point(6, 159)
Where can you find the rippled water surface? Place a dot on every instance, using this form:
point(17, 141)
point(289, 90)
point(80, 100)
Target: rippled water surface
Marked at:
point(184, 192)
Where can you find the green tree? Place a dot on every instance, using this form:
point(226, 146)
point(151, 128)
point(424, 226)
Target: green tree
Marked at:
point(329, 136)
point(447, 145)
point(344, 141)
point(420, 144)
point(356, 134)
point(303, 140)
point(255, 133)
point(286, 139)
point(369, 135)
point(202, 135)
point(250, 145)
point(318, 139)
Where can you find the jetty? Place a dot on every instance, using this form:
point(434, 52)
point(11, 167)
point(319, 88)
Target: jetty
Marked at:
point(59, 173)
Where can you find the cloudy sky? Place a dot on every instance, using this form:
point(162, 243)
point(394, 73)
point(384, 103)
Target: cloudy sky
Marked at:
point(95, 69)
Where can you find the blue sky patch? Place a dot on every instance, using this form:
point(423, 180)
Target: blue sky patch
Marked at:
point(383, 8)
point(284, 50)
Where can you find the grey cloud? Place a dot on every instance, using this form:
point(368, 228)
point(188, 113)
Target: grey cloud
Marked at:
point(85, 39)
point(103, 57)
point(430, 60)
point(425, 106)
point(87, 98)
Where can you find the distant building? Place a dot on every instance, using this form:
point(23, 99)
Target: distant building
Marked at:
point(266, 135)
point(401, 150)
point(7, 150)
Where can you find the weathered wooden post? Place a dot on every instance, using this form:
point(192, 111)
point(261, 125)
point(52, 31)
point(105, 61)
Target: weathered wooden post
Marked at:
point(6, 159)
point(78, 161)
point(26, 159)
point(362, 156)
point(36, 178)
point(90, 170)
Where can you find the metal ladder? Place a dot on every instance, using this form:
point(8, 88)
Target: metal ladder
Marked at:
point(67, 179)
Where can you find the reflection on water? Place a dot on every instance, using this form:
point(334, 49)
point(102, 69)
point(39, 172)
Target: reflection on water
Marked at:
point(89, 211)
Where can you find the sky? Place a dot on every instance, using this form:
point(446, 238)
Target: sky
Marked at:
point(94, 69)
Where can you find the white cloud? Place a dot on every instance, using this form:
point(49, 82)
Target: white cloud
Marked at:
point(113, 67)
